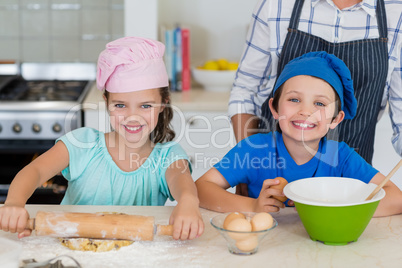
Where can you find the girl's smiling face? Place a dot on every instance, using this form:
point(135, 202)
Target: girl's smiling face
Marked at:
point(306, 109)
point(134, 115)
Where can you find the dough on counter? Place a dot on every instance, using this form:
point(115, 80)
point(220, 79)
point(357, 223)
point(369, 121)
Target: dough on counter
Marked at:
point(96, 245)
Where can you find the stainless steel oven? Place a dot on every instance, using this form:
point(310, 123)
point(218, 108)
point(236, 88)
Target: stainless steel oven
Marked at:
point(38, 104)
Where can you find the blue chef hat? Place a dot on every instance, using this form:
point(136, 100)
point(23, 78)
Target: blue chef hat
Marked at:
point(327, 67)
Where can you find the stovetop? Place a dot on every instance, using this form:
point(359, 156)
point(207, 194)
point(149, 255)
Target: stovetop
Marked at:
point(18, 89)
point(33, 109)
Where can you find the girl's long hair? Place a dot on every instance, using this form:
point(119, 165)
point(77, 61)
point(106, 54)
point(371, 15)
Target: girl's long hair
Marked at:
point(163, 131)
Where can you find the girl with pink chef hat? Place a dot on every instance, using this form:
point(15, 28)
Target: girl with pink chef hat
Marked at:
point(137, 163)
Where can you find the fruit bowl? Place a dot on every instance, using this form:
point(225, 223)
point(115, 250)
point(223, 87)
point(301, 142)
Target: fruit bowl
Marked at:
point(241, 243)
point(214, 80)
point(333, 210)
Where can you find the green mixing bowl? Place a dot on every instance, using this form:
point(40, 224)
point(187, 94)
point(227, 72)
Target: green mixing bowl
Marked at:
point(333, 210)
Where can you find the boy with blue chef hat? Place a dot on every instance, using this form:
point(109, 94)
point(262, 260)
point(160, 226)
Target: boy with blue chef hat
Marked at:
point(313, 94)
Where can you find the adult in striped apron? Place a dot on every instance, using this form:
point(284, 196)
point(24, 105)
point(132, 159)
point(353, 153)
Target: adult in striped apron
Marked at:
point(367, 60)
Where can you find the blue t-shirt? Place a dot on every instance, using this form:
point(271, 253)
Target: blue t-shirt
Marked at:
point(264, 156)
point(95, 179)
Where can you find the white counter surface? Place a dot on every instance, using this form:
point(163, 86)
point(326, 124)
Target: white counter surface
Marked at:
point(288, 245)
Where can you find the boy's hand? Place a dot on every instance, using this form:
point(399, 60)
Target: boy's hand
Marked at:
point(14, 219)
point(265, 202)
point(187, 221)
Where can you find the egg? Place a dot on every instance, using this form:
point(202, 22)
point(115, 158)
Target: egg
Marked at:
point(247, 244)
point(231, 217)
point(239, 225)
point(280, 186)
point(261, 221)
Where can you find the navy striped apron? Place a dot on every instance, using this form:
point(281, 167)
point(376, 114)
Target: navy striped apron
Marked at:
point(367, 60)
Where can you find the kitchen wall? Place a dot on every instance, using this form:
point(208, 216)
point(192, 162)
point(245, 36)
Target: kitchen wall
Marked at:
point(58, 30)
point(385, 157)
point(218, 27)
point(77, 30)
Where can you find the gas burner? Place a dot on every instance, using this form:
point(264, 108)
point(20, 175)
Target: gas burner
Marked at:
point(12, 87)
point(42, 90)
point(54, 90)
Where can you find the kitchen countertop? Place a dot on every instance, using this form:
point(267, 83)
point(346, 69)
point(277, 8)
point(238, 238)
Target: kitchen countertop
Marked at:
point(196, 99)
point(288, 245)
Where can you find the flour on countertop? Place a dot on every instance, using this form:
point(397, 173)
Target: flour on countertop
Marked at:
point(161, 252)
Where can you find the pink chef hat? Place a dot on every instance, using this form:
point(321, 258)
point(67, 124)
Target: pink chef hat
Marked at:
point(131, 64)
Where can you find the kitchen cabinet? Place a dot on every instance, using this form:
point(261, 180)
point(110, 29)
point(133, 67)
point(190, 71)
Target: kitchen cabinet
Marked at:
point(202, 127)
point(206, 137)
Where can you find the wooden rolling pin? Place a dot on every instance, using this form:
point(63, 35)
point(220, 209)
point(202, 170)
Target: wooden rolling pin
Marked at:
point(97, 226)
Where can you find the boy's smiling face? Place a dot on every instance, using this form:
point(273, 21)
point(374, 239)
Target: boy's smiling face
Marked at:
point(306, 109)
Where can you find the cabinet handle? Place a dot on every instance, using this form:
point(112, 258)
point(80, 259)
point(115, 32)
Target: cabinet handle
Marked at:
point(191, 121)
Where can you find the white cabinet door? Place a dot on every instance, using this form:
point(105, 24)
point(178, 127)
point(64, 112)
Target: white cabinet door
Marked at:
point(206, 137)
point(203, 132)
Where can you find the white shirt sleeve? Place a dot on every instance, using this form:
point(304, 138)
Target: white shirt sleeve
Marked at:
point(395, 103)
point(255, 67)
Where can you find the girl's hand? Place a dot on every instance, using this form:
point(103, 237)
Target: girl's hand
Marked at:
point(265, 202)
point(14, 219)
point(187, 221)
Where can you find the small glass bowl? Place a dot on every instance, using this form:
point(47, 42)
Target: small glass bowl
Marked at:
point(246, 243)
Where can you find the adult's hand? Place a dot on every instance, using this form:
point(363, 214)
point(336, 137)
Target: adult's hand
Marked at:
point(241, 189)
point(244, 125)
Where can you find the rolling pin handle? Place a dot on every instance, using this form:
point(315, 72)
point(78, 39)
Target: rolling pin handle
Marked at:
point(31, 224)
point(164, 229)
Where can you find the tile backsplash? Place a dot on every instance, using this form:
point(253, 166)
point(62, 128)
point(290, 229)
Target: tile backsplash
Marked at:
point(58, 30)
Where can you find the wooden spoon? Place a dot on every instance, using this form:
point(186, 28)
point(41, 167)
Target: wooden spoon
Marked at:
point(378, 188)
